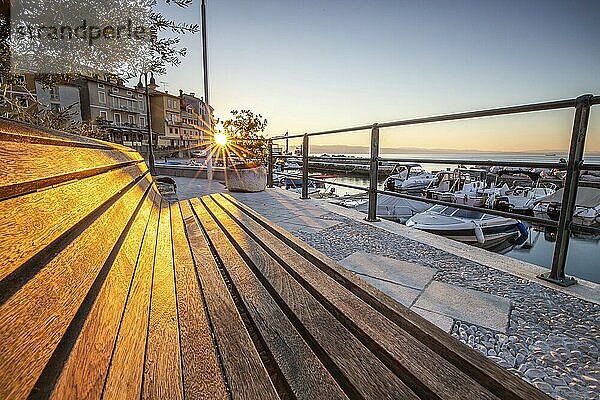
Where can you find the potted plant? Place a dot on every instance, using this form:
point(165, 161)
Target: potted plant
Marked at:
point(247, 147)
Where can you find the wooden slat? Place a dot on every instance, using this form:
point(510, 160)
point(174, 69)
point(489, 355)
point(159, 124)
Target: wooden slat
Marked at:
point(84, 372)
point(37, 163)
point(36, 317)
point(423, 369)
point(32, 222)
point(162, 369)
point(202, 376)
point(246, 375)
point(495, 378)
point(32, 133)
point(355, 367)
point(124, 380)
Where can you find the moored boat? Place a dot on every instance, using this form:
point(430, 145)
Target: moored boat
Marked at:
point(472, 227)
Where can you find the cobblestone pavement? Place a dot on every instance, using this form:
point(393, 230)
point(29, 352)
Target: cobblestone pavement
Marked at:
point(552, 338)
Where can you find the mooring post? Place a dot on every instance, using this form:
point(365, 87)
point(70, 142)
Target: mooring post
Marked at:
point(270, 166)
point(559, 259)
point(305, 167)
point(373, 173)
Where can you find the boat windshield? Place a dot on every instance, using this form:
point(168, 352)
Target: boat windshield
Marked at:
point(468, 214)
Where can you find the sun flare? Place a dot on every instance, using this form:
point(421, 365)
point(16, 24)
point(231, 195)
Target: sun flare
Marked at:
point(220, 139)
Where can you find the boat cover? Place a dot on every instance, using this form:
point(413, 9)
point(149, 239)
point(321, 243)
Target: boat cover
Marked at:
point(586, 197)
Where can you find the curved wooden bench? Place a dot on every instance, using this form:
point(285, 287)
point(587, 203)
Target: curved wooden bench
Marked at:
point(109, 291)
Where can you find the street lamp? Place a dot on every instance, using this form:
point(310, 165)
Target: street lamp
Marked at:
point(148, 118)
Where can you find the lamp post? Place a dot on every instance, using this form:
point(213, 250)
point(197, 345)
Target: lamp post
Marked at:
point(209, 163)
point(148, 117)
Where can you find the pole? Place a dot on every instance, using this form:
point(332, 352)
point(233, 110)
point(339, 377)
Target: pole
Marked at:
point(287, 144)
point(304, 167)
point(209, 162)
point(270, 172)
point(559, 259)
point(373, 172)
point(149, 123)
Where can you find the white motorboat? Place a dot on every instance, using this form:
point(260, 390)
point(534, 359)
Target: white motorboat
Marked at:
point(472, 227)
point(388, 207)
point(587, 206)
point(527, 190)
point(417, 182)
point(408, 177)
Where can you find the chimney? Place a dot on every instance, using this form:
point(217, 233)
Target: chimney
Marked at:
point(193, 94)
point(180, 93)
point(166, 92)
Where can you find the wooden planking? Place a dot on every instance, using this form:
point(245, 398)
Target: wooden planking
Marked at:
point(162, 369)
point(201, 368)
point(124, 379)
point(19, 131)
point(423, 369)
point(246, 375)
point(36, 317)
point(26, 162)
point(362, 371)
point(495, 378)
point(307, 377)
point(85, 370)
point(31, 222)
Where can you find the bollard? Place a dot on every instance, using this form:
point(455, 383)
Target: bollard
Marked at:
point(270, 167)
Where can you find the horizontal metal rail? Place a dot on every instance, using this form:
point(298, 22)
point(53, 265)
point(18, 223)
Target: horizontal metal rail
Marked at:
point(539, 221)
point(590, 167)
point(544, 106)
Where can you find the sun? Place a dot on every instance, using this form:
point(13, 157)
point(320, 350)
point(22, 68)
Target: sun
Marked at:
point(220, 139)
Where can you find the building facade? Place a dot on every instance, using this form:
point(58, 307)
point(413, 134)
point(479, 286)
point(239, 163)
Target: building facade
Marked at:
point(116, 108)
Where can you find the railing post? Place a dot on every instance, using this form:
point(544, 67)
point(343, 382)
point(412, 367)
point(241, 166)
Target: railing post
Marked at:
point(373, 174)
point(305, 167)
point(270, 166)
point(580, 123)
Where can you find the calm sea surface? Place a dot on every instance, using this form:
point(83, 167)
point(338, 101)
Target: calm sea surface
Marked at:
point(584, 253)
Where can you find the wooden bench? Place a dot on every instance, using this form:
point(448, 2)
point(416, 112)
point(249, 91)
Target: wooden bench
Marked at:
point(108, 291)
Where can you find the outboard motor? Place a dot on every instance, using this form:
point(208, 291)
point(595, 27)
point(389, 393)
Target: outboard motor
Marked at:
point(501, 203)
point(553, 211)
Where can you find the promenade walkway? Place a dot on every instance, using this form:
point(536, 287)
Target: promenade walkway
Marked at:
point(547, 335)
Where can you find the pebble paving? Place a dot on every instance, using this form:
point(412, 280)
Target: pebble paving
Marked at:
point(552, 339)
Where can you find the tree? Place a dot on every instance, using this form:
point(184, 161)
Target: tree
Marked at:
point(244, 131)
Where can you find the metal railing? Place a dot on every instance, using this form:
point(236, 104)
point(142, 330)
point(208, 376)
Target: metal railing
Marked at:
point(573, 167)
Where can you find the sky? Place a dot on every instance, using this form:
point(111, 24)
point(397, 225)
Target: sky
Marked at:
point(314, 65)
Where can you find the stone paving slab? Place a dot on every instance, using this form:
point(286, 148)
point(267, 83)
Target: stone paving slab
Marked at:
point(401, 272)
point(306, 225)
point(443, 322)
point(402, 294)
point(468, 305)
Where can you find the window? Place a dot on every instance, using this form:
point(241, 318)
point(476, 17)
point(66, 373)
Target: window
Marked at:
point(104, 115)
point(168, 103)
point(117, 119)
point(143, 121)
point(115, 90)
point(130, 119)
point(102, 97)
point(170, 130)
point(128, 93)
point(101, 86)
point(140, 96)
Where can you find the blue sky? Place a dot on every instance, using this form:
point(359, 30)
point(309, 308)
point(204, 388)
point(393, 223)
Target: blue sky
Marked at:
point(313, 65)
